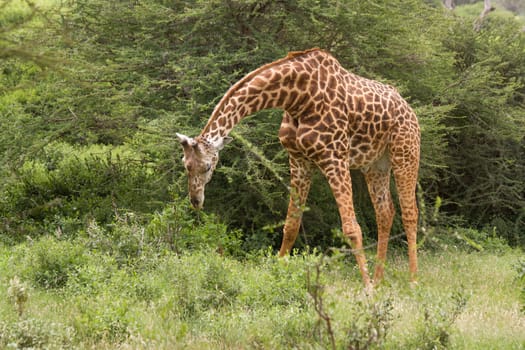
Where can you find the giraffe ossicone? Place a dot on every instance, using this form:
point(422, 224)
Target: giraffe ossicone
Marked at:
point(335, 121)
point(186, 140)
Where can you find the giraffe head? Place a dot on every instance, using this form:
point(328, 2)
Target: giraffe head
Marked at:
point(200, 159)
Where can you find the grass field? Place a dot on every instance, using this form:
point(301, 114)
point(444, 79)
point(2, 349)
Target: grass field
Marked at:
point(71, 295)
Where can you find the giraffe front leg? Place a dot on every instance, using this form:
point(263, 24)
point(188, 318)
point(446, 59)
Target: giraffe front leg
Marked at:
point(338, 176)
point(300, 171)
point(352, 231)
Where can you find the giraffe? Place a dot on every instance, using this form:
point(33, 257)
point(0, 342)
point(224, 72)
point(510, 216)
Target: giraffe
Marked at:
point(335, 121)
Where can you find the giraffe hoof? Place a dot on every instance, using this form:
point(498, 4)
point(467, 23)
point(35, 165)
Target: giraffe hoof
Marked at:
point(376, 282)
point(413, 285)
point(369, 290)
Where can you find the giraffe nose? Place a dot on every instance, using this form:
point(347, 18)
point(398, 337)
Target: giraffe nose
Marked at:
point(196, 202)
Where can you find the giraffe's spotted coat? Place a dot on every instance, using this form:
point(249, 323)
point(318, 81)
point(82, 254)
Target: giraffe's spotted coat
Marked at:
point(336, 121)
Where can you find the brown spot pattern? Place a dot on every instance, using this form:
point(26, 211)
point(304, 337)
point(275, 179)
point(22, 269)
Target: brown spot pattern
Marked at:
point(336, 121)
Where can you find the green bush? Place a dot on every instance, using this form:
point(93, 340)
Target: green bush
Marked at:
point(279, 282)
point(123, 239)
point(435, 330)
point(262, 297)
point(68, 185)
point(182, 229)
point(104, 76)
point(463, 239)
point(48, 262)
point(133, 240)
point(201, 282)
point(370, 324)
point(441, 230)
point(104, 316)
point(35, 334)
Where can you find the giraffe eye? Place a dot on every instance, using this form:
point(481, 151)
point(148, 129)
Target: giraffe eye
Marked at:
point(208, 167)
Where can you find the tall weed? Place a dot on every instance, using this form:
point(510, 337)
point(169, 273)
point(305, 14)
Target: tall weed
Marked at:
point(520, 267)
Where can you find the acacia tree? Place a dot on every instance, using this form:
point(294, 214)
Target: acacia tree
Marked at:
point(134, 73)
point(486, 148)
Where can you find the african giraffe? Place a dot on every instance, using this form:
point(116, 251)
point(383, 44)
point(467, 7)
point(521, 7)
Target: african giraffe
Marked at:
point(335, 121)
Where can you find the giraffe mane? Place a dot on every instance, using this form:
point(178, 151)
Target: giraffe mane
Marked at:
point(249, 76)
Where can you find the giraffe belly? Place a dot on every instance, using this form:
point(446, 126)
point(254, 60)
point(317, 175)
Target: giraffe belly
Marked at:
point(365, 156)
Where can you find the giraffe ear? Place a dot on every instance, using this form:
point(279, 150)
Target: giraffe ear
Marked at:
point(226, 140)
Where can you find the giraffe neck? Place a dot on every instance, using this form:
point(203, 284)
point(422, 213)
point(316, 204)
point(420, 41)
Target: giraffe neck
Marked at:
point(285, 84)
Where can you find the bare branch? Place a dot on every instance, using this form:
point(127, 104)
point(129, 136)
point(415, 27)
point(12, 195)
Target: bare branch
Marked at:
point(315, 290)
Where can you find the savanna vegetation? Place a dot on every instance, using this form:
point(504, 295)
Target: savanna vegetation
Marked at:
point(99, 247)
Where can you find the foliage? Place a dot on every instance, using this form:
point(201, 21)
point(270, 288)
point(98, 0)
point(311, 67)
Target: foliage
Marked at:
point(465, 240)
point(15, 17)
point(201, 298)
point(179, 229)
point(18, 294)
point(485, 184)
point(92, 217)
point(35, 334)
point(520, 268)
point(51, 264)
point(371, 324)
point(87, 119)
point(368, 327)
point(68, 185)
point(438, 322)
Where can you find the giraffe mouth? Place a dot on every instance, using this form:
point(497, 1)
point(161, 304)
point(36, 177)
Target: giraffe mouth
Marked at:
point(197, 203)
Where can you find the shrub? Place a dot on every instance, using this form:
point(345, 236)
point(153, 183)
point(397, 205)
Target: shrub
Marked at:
point(438, 323)
point(35, 334)
point(277, 282)
point(203, 282)
point(466, 239)
point(123, 239)
point(66, 185)
point(366, 323)
point(104, 316)
point(18, 294)
point(48, 262)
point(181, 230)
point(370, 324)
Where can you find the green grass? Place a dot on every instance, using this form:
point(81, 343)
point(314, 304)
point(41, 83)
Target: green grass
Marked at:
point(79, 297)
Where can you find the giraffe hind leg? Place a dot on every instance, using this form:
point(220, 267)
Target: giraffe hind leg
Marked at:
point(378, 182)
point(409, 213)
point(300, 171)
point(405, 175)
